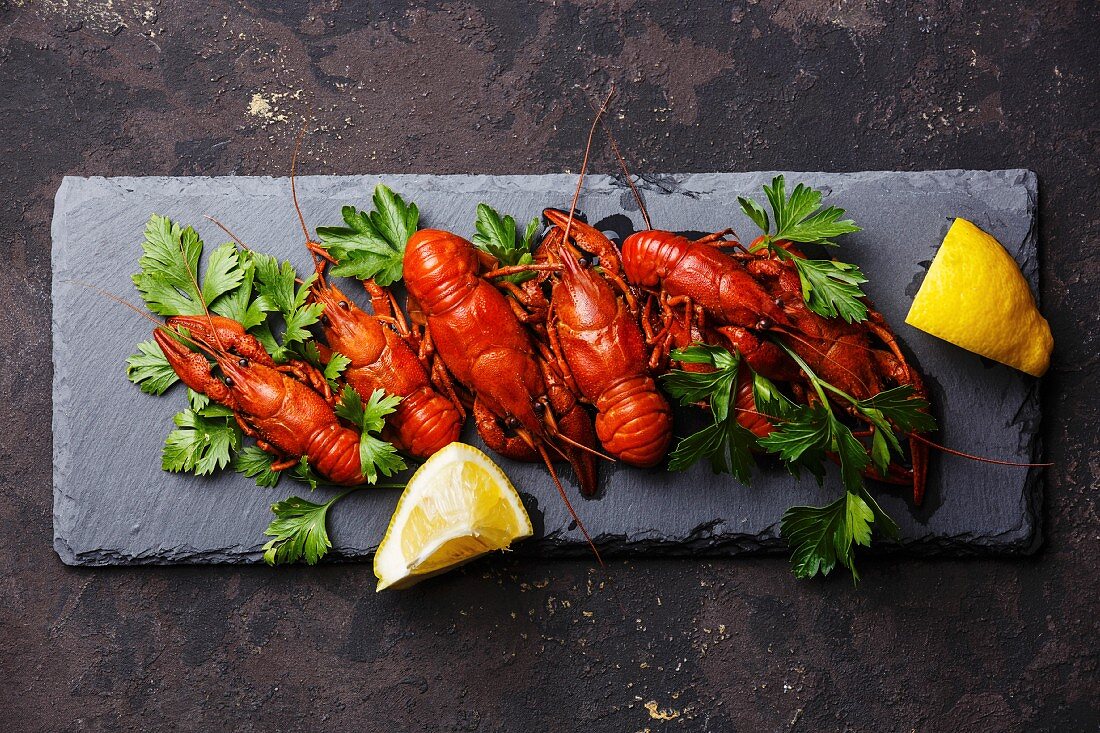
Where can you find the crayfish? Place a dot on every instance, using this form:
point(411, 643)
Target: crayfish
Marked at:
point(276, 404)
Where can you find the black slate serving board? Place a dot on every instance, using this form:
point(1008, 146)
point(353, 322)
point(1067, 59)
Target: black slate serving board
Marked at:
point(113, 504)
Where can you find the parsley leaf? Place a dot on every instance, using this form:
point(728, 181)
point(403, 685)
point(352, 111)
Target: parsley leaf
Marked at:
point(822, 537)
point(372, 246)
point(725, 443)
point(240, 303)
point(149, 369)
point(716, 386)
point(202, 441)
point(797, 218)
point(809, 431)
point(307, 475)
point(298, 531)
point(169, 267)
point(498, 237)
point(255, 463)
point(337, 363)
point(829, 288)
point(897, 406)
point(768, 400)
point(901, 407)
point(277, 292)
point(375, 455)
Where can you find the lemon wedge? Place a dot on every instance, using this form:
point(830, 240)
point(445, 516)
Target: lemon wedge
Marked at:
point(975, 296)
point(457, 506)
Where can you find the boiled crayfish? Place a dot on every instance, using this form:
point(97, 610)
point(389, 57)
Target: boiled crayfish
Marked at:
point(273, 403)
point(751, 297)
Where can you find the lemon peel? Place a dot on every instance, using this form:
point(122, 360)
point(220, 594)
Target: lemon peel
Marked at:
point(975, 297)
point(458, 506)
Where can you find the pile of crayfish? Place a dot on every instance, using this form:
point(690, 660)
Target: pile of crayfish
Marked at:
point(562, 363)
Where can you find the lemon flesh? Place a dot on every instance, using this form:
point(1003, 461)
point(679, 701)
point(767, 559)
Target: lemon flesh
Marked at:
point(975, 296)
point(457, 506)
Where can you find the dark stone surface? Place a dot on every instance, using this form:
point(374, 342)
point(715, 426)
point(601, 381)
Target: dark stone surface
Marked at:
point(120, 508)
point(157, 88)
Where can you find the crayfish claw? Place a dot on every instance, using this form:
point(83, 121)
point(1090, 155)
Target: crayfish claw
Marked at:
point(587, 237)
point(192, 367)
point(221, 333)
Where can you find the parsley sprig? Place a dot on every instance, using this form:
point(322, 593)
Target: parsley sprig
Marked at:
point(830, 288)
point(802, 437)
point(169, 280)
point(375, 455)
point(725, 443)
point(150, 370)
point(243, 304)
point(498, 236)
point(820, 537)
point(275, 283)
point(205, 438)
point(298, 531)
point(372, 245)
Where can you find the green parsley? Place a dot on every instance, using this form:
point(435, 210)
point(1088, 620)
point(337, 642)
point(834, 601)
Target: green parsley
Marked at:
point(498, 237)
point(169, 270)
point(725, 443)
point(797, 218)
point(242, 304)
point(275, 283)
point(202, 442)
point(298, 531)
point(802, 437)
point(256, 464)
point(830, 288)
point(149, 369)
point(821, 537)
point(337, 363)
point(375, 455)
point(372, 246)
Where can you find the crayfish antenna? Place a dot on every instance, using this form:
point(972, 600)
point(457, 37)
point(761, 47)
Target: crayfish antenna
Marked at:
point(228, 231)
point(951, 451)
point(568, 505)
point(584, 164)
point(626, 172)
point(319, 260)
point(566, 439)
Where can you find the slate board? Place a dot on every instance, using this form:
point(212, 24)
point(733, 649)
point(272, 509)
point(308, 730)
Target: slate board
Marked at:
point(113, 504)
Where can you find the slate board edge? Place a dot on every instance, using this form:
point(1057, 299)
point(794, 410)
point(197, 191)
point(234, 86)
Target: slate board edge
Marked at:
point(705, 544)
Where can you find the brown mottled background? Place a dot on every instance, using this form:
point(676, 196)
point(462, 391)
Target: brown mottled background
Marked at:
point(148, 87)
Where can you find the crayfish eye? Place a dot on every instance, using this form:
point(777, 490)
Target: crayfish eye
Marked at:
point(343, 304)
point(228, 381)
point(539, 408)
point(243, 362)
point(324, 319)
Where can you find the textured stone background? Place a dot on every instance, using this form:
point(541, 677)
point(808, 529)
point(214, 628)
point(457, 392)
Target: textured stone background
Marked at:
point(129, 87)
